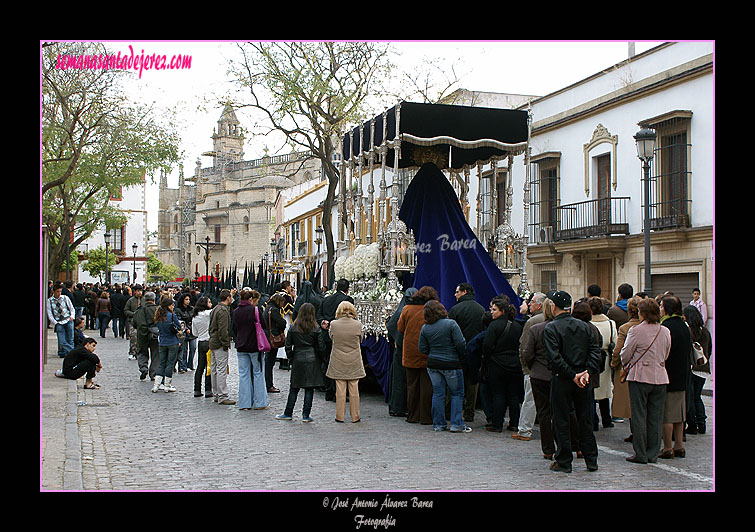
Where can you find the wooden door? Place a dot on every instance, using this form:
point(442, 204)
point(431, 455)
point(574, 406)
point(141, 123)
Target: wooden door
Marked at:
point(604, 190)
point(603, 278)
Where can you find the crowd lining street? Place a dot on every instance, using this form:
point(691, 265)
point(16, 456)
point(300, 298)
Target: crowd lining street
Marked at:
point(121, 437)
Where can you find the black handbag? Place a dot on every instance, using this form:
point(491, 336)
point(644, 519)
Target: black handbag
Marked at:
point(483, 376)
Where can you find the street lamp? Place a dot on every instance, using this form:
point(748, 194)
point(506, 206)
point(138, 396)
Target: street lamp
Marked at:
point(319, 232)
point(107, 268)
point(645, 140)
point(134, 248)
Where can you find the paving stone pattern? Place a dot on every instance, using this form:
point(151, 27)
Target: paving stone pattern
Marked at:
point(123, 437)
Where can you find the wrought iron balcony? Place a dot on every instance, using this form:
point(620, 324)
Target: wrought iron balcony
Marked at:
point(601, 217)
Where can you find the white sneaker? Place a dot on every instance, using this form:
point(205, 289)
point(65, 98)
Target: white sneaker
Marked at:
point(168, 387)
point(157, 385)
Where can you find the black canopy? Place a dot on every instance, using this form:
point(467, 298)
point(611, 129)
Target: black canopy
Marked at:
point(428, 131)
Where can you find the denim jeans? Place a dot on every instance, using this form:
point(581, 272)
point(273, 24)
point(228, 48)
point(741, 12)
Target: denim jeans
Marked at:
point(186, 357)
point(168, 356)
point(454, 379)
point(252, 388)
point(103, 320)
point(293, 393)
point(117, 325)
point(65, 337)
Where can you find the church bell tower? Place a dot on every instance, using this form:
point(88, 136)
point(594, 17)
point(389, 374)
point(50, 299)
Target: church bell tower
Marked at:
point(228, 138)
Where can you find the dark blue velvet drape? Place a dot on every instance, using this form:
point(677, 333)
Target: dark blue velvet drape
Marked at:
point(448, 251)
point(377, 351)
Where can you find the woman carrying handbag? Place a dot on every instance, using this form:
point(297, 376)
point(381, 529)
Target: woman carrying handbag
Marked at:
point(643, 357)
point(250, 347)
point(276, 326)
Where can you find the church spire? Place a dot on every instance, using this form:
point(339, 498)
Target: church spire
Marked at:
point(228, 138)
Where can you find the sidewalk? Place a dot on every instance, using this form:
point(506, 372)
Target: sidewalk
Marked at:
point(60, 446)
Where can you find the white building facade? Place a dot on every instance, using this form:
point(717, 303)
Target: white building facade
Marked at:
point(585, 218)
point(127, 249)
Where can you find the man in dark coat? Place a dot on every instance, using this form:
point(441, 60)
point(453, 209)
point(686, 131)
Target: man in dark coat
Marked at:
point(147, 357)
point(618, 311)
point(325, 314)
point(573, 354)
point(468, 314)
point(81, 361)
point(117, 304)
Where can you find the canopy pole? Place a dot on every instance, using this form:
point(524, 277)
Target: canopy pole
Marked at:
point(383, 186)
point(523, 286)
point(371, 187)
point(359, 199)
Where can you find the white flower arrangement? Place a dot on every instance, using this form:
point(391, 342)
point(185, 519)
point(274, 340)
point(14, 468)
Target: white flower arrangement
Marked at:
point(338, 269)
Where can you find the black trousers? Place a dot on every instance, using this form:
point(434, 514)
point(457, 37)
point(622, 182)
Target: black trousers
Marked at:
point(507, 392)
point(202, 347)
point(541, 392)
point(86, 367)
point(270, 358)
point(566, 397)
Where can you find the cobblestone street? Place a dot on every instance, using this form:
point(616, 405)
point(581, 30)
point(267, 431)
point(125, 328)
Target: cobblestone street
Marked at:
point(123, 437)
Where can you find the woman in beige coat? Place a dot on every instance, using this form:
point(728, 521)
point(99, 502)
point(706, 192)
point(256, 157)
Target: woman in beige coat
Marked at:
point(620, 404)
point(345, 366)
point(608, 331)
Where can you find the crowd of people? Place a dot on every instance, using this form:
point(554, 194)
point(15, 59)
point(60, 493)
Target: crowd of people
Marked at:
point(568, 366)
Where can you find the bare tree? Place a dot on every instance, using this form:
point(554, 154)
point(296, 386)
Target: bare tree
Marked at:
point(310, 92)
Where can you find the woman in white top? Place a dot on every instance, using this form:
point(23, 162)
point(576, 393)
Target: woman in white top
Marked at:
point(609, 332)
point(200, 327)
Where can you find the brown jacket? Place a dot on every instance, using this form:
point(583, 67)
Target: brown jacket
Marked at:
point(410, 324)
point(346, 356)
point(102, 305)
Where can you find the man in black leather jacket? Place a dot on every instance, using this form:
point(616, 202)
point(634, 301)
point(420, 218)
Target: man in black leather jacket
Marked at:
point(573, 354)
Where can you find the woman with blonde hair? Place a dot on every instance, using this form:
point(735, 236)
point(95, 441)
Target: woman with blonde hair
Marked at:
point(345, 366)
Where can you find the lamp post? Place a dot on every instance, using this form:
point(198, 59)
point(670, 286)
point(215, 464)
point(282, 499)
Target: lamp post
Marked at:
point(645, 140)
point(319, 232)
point(134, 248)
point(107, 268)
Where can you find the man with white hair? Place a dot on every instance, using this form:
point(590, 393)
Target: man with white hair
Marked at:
point(528, 411)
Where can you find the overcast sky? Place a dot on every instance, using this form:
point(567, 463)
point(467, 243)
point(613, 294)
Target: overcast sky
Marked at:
point(528, 68)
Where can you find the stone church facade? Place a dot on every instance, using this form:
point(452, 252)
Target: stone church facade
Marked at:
point(228, 207)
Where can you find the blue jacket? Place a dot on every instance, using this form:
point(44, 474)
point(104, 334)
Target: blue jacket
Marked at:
point(167, 336)
point(443, 343)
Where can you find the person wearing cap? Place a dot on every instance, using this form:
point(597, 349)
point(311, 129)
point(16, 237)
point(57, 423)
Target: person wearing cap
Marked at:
point(148, 357)
point(133, 304)
point(573, 354)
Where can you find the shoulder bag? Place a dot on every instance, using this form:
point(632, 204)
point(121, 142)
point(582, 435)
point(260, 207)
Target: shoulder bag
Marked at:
point(483, 376)
point(262, 344)
point(279, 340)
point(152, 329)
point(625, 369)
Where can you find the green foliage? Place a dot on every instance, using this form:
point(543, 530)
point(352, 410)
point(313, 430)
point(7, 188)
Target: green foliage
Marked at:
point(95, 262)
point(157, 271)
point(95, 143)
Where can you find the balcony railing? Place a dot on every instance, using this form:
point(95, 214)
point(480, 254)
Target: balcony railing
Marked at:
point(601, 217)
